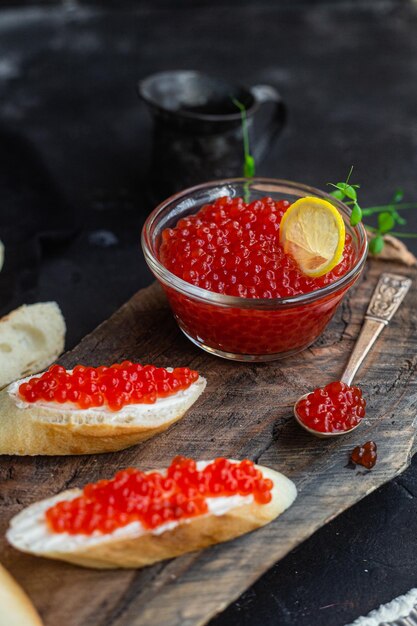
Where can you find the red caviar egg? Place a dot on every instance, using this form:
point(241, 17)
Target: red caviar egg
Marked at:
point(365, 454)
point(115, 386)
point(233, 248)
point(337, 407)
point(156, 498)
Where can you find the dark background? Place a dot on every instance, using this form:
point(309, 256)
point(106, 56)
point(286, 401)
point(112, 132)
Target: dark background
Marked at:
point(74, 151)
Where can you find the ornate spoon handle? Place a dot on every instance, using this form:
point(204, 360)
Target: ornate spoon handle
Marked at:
point(387, 297)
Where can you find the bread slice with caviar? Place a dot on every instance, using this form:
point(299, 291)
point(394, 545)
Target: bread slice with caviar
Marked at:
point(31, 337)
point(91, 410)
point(137, 518)
point(15, 607)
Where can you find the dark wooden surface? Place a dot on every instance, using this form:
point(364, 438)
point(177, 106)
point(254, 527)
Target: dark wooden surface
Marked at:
point(245, 412)
point(74, 148)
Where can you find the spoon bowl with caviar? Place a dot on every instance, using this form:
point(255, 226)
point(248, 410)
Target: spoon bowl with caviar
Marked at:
point(338, 408)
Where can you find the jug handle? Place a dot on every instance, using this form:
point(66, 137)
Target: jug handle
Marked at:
point(265, 94)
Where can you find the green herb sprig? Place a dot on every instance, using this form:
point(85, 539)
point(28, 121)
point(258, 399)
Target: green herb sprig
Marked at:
point(388, 214)
point(249, 161)
point(345, 191)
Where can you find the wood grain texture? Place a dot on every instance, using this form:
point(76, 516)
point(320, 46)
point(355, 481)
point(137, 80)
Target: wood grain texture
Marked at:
point(245, 411)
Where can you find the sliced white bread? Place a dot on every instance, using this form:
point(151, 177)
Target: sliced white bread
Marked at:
point(50, 428)
point(31, 338)
point(15, 607)
point(133, 546)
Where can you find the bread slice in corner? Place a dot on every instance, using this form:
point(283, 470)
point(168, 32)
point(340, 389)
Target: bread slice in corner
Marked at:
point(16, 608)
point(31, 338)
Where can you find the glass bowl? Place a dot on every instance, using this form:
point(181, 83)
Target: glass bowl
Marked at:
point(247, 329)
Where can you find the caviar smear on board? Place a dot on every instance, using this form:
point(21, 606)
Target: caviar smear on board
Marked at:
point(111, 387)
point(233, 248)
point(157, 498)
point(365, 454)
point(337, 407)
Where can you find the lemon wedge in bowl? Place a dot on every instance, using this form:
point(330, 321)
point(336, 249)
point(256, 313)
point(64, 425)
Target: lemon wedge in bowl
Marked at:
point(312, 231)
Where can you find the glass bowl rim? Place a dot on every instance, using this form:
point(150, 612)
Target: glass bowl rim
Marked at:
point(187, 289)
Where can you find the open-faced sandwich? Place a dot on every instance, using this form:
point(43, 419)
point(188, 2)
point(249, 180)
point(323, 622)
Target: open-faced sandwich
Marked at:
point(93, 409)
point(138, 518)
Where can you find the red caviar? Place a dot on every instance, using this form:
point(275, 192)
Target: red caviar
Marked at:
point(232, 248)
point(113, 387)
point(365, 455)
point(156, 498)
point(333, 408)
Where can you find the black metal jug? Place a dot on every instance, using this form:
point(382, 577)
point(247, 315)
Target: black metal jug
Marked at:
point(197, 130)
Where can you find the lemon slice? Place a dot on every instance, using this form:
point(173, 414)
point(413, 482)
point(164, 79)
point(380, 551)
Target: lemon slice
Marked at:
point(312, 231)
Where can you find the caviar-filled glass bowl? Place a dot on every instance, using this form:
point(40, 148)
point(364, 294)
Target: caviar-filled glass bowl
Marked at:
point(240, 327)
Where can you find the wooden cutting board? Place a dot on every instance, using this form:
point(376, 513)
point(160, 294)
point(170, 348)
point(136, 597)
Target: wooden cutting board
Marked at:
point(246, 411)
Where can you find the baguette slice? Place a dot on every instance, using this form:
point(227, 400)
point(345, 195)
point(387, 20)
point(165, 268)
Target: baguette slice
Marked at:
point(31, 338)
point(15, 607)
point(133, 546)
point(52, 429)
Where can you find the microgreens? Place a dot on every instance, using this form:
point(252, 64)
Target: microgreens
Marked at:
point(345, 190)
point(388, 215)
point(249, 161)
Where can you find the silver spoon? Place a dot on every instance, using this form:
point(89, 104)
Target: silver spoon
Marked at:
point(387, 297)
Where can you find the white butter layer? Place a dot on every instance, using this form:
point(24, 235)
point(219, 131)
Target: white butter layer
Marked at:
point(155, 414)
point(29, 530)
